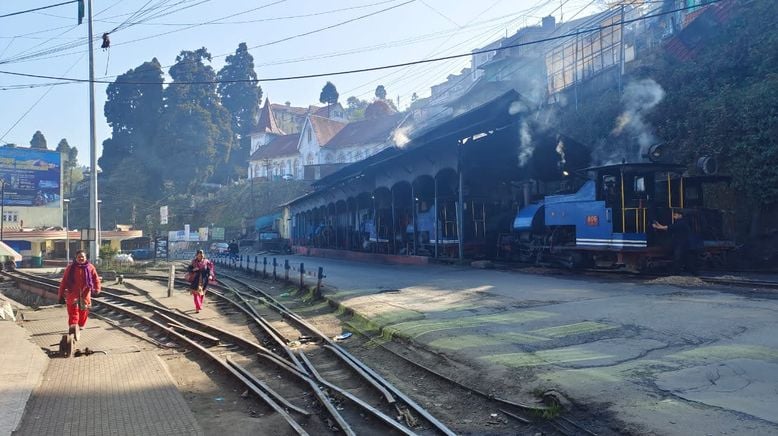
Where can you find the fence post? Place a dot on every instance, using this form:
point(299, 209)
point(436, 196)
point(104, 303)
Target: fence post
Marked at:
point(286, 270)
point(320, 276)
point(275, 264)
point(170, 280)
point(256, 260)
point(302, 275)
point(264, 267)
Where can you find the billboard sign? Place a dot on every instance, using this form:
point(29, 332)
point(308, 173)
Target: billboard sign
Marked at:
point(217, 233)
point(31, 177)
point(182, 235)
point(163, 215)
point(160, 248)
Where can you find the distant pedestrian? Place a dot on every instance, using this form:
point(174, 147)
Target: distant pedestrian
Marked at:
point(234, 249)
point(201, 272)
point(681, 235)
point(79, 283)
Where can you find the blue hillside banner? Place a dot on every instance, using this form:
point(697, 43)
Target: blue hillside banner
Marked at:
point(32, 177)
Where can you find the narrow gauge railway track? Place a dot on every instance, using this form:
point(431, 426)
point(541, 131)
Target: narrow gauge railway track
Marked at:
point(297, 327)
point(317, 350)
point(562, 424)
point(350, 381)
point(284, 378)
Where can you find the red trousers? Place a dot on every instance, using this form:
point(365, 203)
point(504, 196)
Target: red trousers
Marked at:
point(76, 315)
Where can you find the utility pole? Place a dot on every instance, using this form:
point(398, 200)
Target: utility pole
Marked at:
point(621, 51)
point(2, 207)
point(94, 245)
point(67, 228)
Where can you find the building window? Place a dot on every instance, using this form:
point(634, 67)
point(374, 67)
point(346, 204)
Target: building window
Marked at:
point(11, 217)
point(308, 133)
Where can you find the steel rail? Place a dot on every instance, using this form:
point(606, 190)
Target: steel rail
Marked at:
point(266, 397)
point(408, 401)
point(387, 419)
point(252, 314)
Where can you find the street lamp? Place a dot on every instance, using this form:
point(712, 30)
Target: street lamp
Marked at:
point(67, 228)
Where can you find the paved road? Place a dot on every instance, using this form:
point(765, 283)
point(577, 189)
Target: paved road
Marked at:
point(660, 358)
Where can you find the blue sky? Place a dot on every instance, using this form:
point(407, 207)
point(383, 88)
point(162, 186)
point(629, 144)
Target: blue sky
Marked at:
point(291, 37)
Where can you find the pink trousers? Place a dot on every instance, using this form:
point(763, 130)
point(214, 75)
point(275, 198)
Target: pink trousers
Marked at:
point(198, 301)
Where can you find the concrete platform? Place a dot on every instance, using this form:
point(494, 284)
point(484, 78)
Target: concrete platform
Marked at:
point(124, 389)
point(21, 371)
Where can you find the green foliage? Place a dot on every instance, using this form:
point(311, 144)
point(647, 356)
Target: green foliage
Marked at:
point(240, 92)
point(356, 108)
point(38, 141)
point(726, 102)
point(194, 127)
point(71, 174)
point(380, 92)
point(329, 94)
point(132, 110)
point(240, 95)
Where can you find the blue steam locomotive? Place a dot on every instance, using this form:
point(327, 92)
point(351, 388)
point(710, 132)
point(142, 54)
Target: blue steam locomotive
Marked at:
point(606, 223)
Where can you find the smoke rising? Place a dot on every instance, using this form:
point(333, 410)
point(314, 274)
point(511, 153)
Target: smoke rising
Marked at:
point(400, 136)
point(632, 135)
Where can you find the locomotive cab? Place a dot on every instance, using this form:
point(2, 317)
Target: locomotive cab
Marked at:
point(607, 222)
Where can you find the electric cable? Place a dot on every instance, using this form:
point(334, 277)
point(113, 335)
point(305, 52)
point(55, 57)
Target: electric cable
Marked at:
point(37, 9)
point(376, 68)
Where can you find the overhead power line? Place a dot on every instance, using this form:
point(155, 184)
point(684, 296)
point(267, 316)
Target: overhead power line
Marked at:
point(38, 9)
point(368, 69)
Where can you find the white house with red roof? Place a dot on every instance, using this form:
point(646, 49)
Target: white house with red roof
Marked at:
point(322, 145)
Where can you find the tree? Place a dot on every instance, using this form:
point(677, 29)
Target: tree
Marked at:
point(194, 127)
point(329, 95)
point(724, 103)
point(240, 95)
point(132, 110)
point(380, 92)
point(63, 146)
point(70, 172)
point(356, 108)
point(38, 141)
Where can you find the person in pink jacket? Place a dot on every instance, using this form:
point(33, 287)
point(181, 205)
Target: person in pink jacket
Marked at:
point(201, 272)
point(79, 282)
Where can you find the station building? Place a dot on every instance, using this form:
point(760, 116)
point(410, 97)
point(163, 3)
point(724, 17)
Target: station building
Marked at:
point(452, 191)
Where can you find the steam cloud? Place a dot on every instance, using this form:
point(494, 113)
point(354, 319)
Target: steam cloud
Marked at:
point(632, 134)
point(400, 136)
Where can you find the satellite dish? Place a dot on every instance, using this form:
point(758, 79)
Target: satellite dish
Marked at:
point(708, 165)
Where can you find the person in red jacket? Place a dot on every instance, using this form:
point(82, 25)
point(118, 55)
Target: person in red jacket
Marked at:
point(79, 282)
